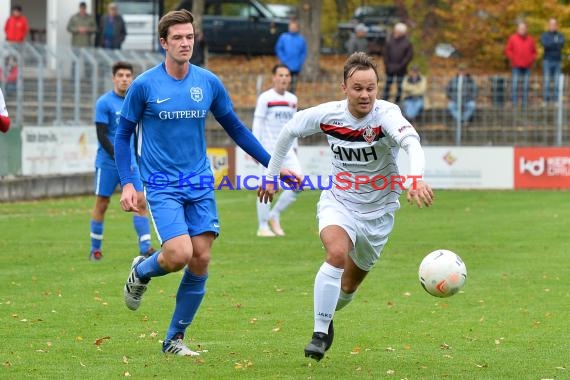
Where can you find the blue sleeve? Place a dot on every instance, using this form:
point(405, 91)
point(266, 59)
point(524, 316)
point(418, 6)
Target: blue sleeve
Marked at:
point(243, 137)
point(123, 150)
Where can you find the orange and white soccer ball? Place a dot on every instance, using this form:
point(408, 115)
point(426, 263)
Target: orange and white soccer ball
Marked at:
point(442, 273)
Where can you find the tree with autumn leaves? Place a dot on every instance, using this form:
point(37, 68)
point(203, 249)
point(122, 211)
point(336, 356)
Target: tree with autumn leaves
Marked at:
point(477, 29)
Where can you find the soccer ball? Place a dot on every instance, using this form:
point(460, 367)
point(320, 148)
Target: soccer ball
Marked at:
point(442, 273)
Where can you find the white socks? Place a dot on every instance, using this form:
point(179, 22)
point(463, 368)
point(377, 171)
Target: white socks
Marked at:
point(326, 294)
point(285, 199)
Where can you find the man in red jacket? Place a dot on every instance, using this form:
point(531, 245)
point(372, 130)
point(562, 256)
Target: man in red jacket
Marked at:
point(16, 27)
point(521, 52)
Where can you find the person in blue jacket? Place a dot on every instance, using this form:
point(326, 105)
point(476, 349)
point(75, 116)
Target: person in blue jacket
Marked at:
point(552, 41)
point(291, 50)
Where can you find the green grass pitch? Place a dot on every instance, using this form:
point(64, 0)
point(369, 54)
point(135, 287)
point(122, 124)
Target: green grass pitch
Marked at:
point(62, 316)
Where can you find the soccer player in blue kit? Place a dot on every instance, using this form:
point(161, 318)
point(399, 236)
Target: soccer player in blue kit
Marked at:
point(167, 105)
point(107, 111)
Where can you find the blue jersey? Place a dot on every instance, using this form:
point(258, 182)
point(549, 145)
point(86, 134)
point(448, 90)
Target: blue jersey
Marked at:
point(108, 112)
point(171, 117)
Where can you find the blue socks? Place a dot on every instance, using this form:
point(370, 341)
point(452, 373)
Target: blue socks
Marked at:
point(142, 228)
point(96, 235)
point(188, 299)
point(150, 268)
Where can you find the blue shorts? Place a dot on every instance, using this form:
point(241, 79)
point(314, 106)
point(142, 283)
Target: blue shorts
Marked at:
point(182, 211)
point(106, 181)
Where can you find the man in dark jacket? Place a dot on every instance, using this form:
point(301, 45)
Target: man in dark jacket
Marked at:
point(461, 92)
point(398, 54)
point(112, 30)
point(552, 42)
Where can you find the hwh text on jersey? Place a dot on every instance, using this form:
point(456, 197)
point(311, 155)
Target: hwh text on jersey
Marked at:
point(349, 154)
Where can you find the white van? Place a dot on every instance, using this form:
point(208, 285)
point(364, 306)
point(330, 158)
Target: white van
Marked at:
point(141, 19)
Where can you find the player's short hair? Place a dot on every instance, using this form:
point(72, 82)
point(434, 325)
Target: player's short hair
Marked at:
point(280, 66)
point(173, 18)
point(359, 61)
point(122, 65)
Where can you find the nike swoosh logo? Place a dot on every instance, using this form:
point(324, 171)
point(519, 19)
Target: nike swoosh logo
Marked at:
point(184, 323)
point(216, 225)
point(158, 101)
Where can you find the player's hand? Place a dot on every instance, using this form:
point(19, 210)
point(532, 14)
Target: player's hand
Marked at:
point(267, 191)
point(421, 194)
point(291, 178)
point(129, 198)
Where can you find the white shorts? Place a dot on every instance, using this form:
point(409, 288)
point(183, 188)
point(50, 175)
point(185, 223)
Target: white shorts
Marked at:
point(368, 236)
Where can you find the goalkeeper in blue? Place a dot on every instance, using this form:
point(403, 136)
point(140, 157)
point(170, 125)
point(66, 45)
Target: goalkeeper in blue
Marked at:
point(167, 106)
point(107, 111)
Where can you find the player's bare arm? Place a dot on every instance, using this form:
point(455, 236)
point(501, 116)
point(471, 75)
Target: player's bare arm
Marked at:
point(267, 192)
point(129, 198)
point(421, 194)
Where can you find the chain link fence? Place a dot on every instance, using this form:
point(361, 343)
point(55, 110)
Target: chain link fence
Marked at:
point(61, 87)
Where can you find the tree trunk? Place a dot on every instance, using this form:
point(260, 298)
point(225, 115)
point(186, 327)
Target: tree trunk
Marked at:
point(197, 12)
point(310, 23)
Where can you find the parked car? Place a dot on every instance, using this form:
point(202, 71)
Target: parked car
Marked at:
point(240, 26)
point(284, 11)
point(378, 18)
point(141, 20)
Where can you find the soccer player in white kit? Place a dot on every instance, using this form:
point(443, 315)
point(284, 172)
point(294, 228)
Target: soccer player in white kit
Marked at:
point(274, 108)
point(4, 117)
point(356, 215)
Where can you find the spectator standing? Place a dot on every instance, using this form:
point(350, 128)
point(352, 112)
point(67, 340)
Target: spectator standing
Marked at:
point(10, 78)
point(16, 27)
point(4, 118)
point(291, 50)
point(357, 41)
point(461, 91)
point(521, 52)
point(82, 27)
point(552, 41)
point(398, 54)
point(112, 30)
point(200, 51)
point(414, 88)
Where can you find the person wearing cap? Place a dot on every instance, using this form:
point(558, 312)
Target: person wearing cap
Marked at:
point(461, 92)
point(112, 30)
point(82, 27)
point(357, 41)
point(16, 27)
point(414, 88)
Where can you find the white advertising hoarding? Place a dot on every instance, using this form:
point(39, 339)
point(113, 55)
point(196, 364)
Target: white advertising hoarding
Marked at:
point(58, 150)
point(314, 160)
point(466, 167)
point(446, 167)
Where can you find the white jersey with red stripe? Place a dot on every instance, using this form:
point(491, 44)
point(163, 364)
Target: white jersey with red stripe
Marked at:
point(275, 109)
point(364, 171)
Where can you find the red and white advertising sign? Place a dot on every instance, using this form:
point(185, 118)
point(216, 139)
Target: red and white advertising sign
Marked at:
point(542, 168)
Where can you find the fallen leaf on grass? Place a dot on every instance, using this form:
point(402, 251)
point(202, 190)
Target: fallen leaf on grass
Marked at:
point(125, 360)
point(484, 365)
point(561, 368)
point(445, 346)
point(127, 374)
point(244, 364)
point(389, 349)
point(355, 351)
point(99, 341)
point(390, 372)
